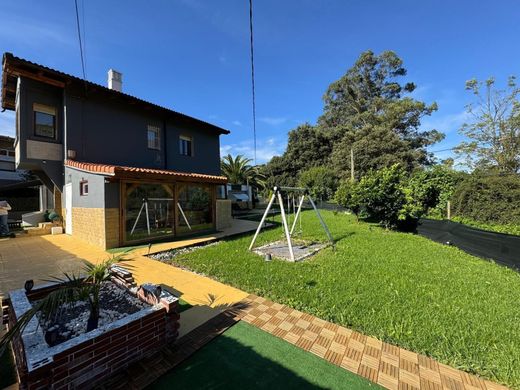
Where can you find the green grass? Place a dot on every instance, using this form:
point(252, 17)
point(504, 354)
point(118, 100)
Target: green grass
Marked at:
point(401, 288)
point(245, 357)
point(511, 228)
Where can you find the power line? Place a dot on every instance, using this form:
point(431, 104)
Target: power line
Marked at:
point(252, 74)
point(80, 44)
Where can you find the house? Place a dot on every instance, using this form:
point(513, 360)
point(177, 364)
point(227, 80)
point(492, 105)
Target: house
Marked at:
point(122, 170)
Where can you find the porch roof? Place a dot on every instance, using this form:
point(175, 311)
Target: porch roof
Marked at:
point(123, 172)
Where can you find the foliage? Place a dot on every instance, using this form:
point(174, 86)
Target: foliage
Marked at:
point(494, 131)
point(380, 195)
point(367, 111)
point(488, 197)
point(320, 181)
point(400, 288)
point(239, 170)
point(507, 228)
point(345, 196)
point(72, 288)
point(429, 190)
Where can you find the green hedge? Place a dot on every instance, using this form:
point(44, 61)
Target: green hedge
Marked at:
point(488, 199)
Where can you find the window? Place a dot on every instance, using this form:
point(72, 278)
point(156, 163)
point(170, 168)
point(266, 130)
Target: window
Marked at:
point(154, 139)
point(83, 188)
point(185, 146)
point(44, 121)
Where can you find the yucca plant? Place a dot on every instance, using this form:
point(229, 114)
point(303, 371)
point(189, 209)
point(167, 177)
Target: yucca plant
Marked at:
point(84, 286)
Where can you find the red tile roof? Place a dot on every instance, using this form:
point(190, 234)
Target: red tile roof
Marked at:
point(123, 172)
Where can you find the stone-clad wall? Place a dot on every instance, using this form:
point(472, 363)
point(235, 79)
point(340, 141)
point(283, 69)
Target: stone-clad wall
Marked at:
point(111, 228)
point(88, 224)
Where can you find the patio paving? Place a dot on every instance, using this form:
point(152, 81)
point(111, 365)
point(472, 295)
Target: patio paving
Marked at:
point(388, 365)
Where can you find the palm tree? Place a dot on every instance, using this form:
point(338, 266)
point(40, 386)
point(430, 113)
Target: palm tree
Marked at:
point(239, 170)
point(72, 288)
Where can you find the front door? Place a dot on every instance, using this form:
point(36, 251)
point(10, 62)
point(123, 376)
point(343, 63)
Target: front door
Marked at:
point(68, 208)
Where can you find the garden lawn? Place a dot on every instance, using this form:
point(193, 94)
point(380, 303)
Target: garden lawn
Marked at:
point(245, 357)
point(401, 288)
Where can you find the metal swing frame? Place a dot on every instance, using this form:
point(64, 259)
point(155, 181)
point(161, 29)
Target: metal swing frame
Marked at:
point(277, 195)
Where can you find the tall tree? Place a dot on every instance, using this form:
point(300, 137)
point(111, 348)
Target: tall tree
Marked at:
point(367, 111)
point(494, 132)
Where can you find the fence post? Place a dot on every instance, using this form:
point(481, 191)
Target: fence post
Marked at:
point(448, 210)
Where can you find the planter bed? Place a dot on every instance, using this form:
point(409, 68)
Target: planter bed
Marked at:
point(134, 323)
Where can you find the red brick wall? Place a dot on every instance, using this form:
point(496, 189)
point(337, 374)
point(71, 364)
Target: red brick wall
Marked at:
point(93, 360)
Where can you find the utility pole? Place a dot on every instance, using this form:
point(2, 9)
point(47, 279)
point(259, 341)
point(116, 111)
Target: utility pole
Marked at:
point(351, 164)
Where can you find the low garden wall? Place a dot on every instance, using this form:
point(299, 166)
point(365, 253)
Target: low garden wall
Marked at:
point(86, 360)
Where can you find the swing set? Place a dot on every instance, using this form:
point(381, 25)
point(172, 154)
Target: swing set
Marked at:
point(297, 195)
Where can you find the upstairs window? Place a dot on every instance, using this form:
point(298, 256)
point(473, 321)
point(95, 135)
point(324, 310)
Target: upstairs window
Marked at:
point(154, 137)
point(44, 121)
point(185, 145)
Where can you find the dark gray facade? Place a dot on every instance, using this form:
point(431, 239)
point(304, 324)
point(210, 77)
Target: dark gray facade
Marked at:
point(108, 131)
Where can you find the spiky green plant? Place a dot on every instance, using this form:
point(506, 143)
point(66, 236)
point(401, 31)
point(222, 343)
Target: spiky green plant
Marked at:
point(84, 286)
point(239, 170)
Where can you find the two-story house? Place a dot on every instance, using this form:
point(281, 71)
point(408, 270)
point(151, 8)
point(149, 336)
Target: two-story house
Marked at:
point(122, 170)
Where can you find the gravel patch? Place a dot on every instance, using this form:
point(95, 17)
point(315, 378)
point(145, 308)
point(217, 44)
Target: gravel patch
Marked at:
point(71, 319)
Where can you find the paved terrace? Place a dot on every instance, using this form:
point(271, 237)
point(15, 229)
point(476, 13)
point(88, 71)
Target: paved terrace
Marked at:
point(389, 366)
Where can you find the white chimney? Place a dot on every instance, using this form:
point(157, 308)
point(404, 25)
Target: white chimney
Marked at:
point(115, 80)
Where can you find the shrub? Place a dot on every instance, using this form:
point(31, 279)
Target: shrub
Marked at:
point(489, 198)
point(429, 190)
point(320, 181)
point(380, 195)
point(345, 196)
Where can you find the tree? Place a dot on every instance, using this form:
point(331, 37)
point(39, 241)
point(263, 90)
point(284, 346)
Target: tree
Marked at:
point(72, 288)
point(494, 132)
point(367, 111)
point(320, 181)
point(239, 171)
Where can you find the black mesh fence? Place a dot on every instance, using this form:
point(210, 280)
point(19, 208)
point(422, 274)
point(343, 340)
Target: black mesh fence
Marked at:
point(503, 248)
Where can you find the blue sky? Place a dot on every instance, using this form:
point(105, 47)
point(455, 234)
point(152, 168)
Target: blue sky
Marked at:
point(193, 55)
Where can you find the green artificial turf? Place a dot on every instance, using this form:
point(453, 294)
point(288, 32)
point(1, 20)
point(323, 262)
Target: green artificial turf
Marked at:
point(245, 357)
point(399, 287)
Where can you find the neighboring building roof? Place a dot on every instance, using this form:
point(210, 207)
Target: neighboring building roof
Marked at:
point(122, 172)
point(13, 67)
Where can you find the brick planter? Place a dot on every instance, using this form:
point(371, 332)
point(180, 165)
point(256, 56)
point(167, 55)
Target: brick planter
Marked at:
point(86, 360)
